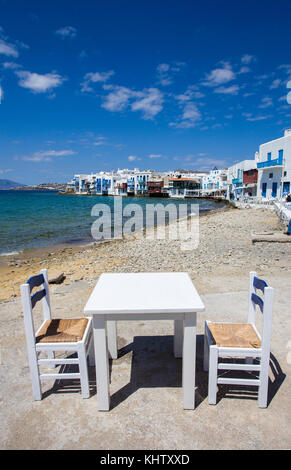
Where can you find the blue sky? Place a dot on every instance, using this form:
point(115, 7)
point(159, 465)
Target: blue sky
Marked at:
point(89, 85)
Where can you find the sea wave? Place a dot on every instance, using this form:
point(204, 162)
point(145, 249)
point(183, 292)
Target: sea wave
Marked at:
point(10, 253)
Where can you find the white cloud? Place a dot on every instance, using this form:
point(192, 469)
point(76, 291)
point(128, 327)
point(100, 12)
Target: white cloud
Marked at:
point(118, 99)
point(244, 69)
point(206, 164)
point(133, 158)
point(251, 118)
point(39, 83)
point(166, 72)
point(191, 112)
point(163, 68)
point(8, 49)
point(247, 59)
point(1, 94)
point(66, 32)
point(149, 101)
point(189, 118)
point(56, 153)
point(286, 67)
point(11, 65)
point(95, 78)
point(152, 155)
point(163, 74)
point(190, 93)
point(231, 90)
point(47, 155)
point(219, 76)
point(100, 141)
point(266, 102)
point(275, 84)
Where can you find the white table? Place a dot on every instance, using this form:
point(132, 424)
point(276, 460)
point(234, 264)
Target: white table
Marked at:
point(144, 296)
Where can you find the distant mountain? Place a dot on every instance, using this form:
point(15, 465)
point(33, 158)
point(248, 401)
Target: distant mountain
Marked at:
point(43, 187)
point(8, 184)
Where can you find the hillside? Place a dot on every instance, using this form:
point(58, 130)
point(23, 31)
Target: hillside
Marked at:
point(8, 184)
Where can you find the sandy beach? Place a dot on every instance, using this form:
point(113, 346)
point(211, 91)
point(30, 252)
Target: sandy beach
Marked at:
point(146, 405)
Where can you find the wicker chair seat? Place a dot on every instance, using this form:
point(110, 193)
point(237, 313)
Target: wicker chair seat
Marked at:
point(62, 331)
point(234, 335)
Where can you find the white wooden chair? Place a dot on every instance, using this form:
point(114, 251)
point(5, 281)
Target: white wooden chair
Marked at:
point(54, 335)
point(241, 341)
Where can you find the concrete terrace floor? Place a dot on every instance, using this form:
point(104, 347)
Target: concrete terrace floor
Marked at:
point(146, 394)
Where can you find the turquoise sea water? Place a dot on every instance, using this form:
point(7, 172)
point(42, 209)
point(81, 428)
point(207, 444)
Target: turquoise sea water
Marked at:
point(36, 219)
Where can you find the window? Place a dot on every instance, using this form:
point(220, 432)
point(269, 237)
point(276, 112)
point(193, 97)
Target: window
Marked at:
point(285, 173)
point(270, 175)
point(269, 156)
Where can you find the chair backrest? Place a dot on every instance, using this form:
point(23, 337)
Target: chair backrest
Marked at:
point(265, 305)
point(29, 301)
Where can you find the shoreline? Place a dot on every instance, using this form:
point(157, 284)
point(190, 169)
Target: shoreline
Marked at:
point(224, 249)
point(6, 256)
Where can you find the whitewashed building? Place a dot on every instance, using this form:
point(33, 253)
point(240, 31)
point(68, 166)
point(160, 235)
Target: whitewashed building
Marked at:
point(274, 167)
point(215, 182)
point(141, 180)
point(235, 178)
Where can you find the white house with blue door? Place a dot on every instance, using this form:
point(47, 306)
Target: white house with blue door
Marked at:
point(274, 167)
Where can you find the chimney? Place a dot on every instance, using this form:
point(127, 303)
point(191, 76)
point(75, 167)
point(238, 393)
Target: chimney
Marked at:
point(287, 132)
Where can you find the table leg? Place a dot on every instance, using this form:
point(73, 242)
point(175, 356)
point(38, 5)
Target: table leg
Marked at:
point(178, 337)
point(189, 361)
point(112, 339)
point(101, 362)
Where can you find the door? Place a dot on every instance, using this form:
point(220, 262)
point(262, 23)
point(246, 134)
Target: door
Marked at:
point(286, 188)
point(274, 189)
point(264, 189)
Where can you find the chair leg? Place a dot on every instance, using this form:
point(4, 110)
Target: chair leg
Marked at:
point(83, 367)
point(36, 386)
point(212, 375)
point(34, 374)
point(264, 382)
point(206, 351)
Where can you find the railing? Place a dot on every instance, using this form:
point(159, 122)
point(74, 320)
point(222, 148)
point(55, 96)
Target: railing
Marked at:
point(237, 181)
point(276, 162)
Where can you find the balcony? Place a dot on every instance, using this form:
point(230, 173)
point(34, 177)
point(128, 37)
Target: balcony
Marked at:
point(269, 163)
point(237, 181)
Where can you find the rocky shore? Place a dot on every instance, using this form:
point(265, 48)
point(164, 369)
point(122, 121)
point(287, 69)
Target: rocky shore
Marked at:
point(224, 252)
